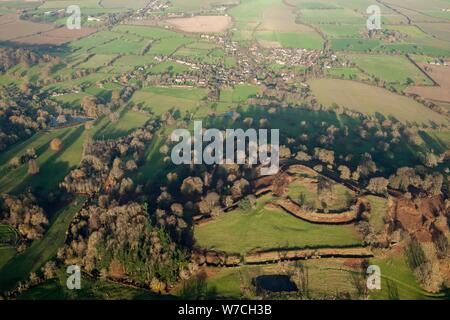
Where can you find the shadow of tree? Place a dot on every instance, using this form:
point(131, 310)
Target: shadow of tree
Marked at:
point(53, 170)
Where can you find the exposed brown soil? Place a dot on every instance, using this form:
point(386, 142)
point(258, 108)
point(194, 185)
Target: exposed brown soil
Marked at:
point(421, 218)
point(27, 32)
point(57, 36)
point(441, 75)
point(201, 24)
point(11, 27)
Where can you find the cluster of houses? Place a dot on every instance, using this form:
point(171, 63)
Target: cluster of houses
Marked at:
point(292, 57)
point(154, 6)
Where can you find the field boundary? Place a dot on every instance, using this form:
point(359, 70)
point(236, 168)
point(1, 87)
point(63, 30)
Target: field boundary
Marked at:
point(222, 259)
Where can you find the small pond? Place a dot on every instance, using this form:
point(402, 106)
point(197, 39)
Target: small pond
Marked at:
point(275, 283)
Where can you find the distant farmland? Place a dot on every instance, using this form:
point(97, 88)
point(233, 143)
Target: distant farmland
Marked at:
point(370, 100)
point(389, 68)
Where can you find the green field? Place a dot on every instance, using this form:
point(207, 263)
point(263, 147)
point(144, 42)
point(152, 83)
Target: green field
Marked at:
point(377, 213)
point(304, 40)
point(42, 250)
point(334, 31)
point(392, 69)
point(162, 99)
point(332, 16)
point(239, 93)
point(168, 46)
point(351, 44)
point(412, 31)
point(262, 228)
point(345, 73)
point(8, 239)
point(6, 254)
point(326, 277)
point(370, 100)
point(129, 62)
point(169, 67)
point(56, 289)
point(340, 198)
point(147, 32)
point(98, 60)
point(129, 120)
point(7, 235)
point(396, 271)
point(54, 165)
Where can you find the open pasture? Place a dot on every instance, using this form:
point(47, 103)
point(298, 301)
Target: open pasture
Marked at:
point(119, 46)
point(370, 100)
point(348, 73)
point(168, 46)
point(96, 61)
point(146, 31)
point(278, 17)
point(398, 280)
point(135, 4)
point(332, 16)
point(241, 231)
point(390, 68)
point(168, 66)
point(129, 62)
point(326, 277)
point(239, 93)
point(128, 121)
point(8, 236)
point(304, 40)
point(63, 4)
point(355, 45)
point(163, 99)
point(198, 5)
point(54, 165)
point(19, 267)
point(305, 192)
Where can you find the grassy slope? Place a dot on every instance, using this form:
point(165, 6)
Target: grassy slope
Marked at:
point(397, 271)
point(325, 278)
point(128, 121)
point(262, 228)
point(41, 250)
point(341, 196)
point(55, 289)
point(54, 165)
point(378, 212)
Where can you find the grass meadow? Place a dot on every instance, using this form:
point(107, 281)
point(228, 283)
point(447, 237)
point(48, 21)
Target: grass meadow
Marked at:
point(263, 228)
